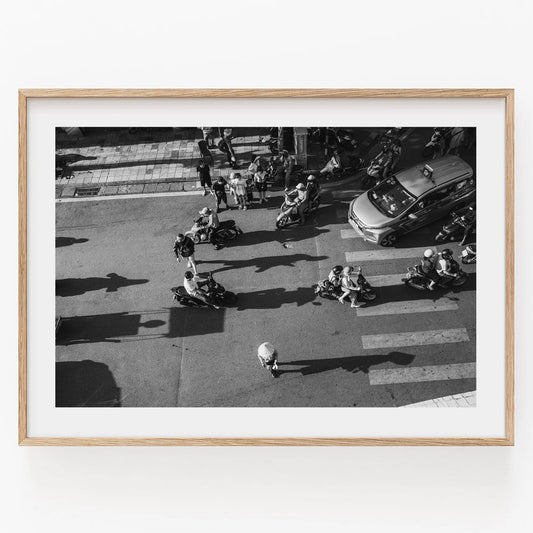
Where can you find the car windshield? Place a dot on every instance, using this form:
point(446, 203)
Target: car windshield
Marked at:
point(391, 198)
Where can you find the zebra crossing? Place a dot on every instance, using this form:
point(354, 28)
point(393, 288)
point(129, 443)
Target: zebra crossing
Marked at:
point(433, 337)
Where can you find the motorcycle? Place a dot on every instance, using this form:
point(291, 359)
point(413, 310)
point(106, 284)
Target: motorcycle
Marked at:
point(435, 147)
point(217, 294)
point(375, 172)
point(276, 172)
point(417, 279)
point(326, 289)
point(465, 223)
point(289, 214)
point(468, 255)
point(227, 231)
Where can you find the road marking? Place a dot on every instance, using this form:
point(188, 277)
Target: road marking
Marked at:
point(414, 338)
point(128, 196)
point(412, 306)
point(350, 234)
point(386, 280)
point(422, 373)
point(384, 255)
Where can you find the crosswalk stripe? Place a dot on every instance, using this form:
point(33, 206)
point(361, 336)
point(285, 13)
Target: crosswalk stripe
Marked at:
point(412, 306)
point(350, 234)
point(386, 280)
point(384, 255)
point(414, 338)
point(422, 373)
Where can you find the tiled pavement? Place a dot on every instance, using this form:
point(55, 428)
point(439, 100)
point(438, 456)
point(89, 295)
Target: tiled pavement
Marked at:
point(121, 166)
point(468, 399)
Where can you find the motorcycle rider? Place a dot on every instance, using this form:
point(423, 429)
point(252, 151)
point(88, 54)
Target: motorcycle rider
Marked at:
point(313, 188)
point(212, 225)
point(445, 266)
point(301, 201)
point(427, 265)
point(193, 286)
point(349, 286)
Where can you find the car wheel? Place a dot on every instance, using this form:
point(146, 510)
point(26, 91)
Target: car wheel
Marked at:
point(389, 240)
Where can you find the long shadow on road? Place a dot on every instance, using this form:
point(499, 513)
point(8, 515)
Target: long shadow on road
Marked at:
point(263, 263)
point(350, 364)
point(77, 286)
point(274, 298)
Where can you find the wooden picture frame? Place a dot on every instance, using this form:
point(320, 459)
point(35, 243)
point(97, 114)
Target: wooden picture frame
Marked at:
point(506, 95)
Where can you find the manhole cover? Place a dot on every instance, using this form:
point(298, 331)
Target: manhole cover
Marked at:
point(87, 191)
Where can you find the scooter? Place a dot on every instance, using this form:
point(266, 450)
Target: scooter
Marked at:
point(289, 214)
point(458, 227)
point(468, 255)
point(217, 294)
point(375, 172)
point(417, 279)
point(326, 289)
point(227, 231)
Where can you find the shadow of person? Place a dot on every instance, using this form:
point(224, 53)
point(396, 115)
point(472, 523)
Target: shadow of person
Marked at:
point(112, 327)
point(351, 364)
point(262, 264)
point(77, 286)
point(68, 241)
point(274, 298)
point(85, 384)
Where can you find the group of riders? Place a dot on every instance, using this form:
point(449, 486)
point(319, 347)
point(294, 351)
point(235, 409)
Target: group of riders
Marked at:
point(439, 268)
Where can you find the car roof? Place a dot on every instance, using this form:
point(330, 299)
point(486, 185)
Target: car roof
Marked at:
point(445, 169)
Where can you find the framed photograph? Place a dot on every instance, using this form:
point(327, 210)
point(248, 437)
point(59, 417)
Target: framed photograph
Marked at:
point(301, 272)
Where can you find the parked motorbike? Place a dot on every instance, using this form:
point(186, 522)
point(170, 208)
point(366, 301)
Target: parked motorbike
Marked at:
point(458, 227)
point(326, 289)
point(468, 255)
point(227, 231)
point(288, 213)
point(276, 172)
point(417, 279)
point(435, 147)
point(217, 294)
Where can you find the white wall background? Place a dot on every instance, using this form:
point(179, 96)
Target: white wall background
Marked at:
point(238, 43)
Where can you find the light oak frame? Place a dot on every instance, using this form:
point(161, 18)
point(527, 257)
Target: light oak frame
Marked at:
point(506, 94)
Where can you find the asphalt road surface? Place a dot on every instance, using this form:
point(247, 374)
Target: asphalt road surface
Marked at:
point(123, 341)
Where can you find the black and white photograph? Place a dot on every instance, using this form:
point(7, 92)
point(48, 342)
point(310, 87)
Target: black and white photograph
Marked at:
point(265, 266)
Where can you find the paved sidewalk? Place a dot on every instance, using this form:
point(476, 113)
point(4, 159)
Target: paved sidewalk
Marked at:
point(149, 163)
point(467, 399)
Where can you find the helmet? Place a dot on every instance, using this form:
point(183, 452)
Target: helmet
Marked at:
point(189, 275)
point(337, 269)
point(300, 186)
point(429, 253)
point(266, 350)
point(311, 178)
point(205, 211)
point(446, 253)
point(347, 270)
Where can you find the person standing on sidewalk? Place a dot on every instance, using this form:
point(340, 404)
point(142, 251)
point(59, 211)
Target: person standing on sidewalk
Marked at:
point(226, 147)
point(184, 249)
point(260, 178)
point(219, 188)
point(238, 184)
point(268, 357)
point(205, 176)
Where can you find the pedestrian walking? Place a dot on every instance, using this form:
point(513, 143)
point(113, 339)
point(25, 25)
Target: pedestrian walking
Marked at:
point(268, 357)
point(225, 146)
point(205, 176)
point(260, 182)
point(208, 136)
point(184, 249)
point(219, 188)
